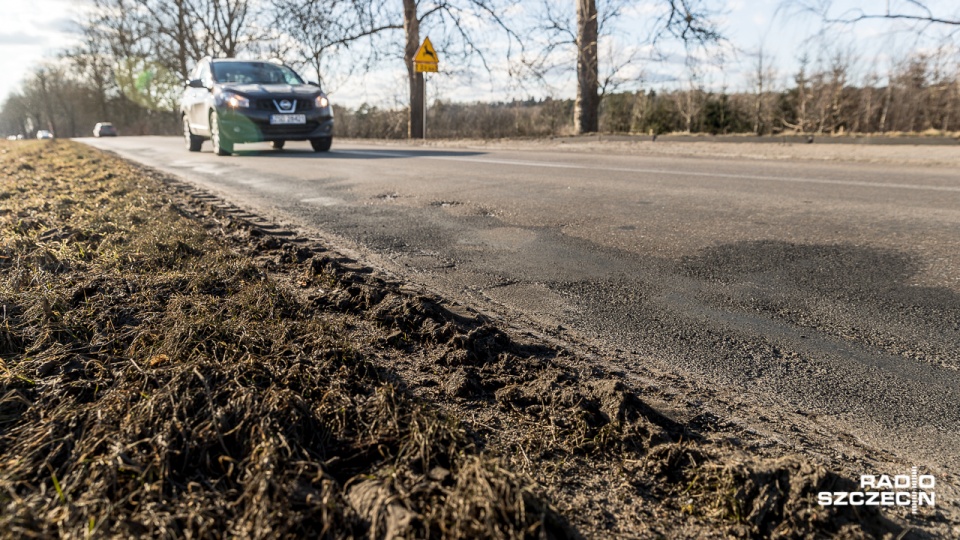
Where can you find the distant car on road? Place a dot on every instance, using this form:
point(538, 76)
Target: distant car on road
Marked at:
point(231, 101)
point(44, 134)
point(104, 129)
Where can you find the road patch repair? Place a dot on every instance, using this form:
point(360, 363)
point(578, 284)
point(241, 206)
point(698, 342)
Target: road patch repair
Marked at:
point(173, 366)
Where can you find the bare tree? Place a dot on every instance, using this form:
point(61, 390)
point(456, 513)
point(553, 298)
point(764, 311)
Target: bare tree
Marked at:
point(867, 103)
point(689, 21)
point(15, 115)
point(689, 100)
point(586, 115)
point(451, 16)
point(43, 81)
point(227, 22)
point(802, 98)
point(411, 30)
point(839, 77)
point(147, 48)
point(320, 30)
point(887, 103)
point(911, 11)
point(92, 64)
point(172, 29)
point(763, 75)
point(172, 34)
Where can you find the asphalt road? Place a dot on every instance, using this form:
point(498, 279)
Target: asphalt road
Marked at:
point(825, 292)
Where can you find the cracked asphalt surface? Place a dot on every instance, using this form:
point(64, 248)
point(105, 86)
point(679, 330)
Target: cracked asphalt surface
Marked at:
point(820, 297)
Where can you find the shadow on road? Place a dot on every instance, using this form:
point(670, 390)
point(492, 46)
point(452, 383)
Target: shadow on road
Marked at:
point(842, 282)
point(854, 272)
point(354, 154)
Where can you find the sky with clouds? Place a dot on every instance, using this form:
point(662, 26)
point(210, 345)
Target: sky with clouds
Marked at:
point(31, 30)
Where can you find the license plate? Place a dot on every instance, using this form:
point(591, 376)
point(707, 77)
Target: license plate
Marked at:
point(282, 119)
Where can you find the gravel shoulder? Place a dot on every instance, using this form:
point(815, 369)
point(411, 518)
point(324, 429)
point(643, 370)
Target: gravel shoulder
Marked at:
point(925, 156)
point(172, 365)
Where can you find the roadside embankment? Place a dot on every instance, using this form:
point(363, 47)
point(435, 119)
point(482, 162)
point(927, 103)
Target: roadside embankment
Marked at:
point(172, 366)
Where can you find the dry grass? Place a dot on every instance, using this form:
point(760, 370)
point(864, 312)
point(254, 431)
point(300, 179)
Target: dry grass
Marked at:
point(776, 499)
point(156, 382)
point(170, 371)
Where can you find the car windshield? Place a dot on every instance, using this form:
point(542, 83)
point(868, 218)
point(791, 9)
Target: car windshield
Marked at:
point(254, 73)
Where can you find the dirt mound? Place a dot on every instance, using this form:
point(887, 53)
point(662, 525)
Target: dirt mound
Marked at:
point(596, 415)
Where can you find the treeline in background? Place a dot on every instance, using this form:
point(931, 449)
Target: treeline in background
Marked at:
point(918, 96)
point(133, 57)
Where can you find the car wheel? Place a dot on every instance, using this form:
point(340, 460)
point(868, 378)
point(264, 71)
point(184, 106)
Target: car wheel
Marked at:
point(321, 145)
point(191, 141)
point(221, 145)
point(277, 145)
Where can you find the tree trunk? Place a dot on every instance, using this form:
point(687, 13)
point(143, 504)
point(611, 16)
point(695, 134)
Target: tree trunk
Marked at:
point(47, 101)
point(411, 26)
point(758, 124)
point(886, 107)
point(99, 83)
point(802, 95)
point(182, 60)
point(587, 110)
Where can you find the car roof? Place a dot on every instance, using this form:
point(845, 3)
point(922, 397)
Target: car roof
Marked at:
point(273, 61)
point(218, 60)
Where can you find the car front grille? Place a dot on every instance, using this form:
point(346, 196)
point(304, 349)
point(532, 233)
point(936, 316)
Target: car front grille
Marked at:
point(297, 130)
point(268, 105)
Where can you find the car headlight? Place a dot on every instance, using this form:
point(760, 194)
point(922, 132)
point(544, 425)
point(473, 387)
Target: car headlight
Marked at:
point(234, 101)
point(322, 102)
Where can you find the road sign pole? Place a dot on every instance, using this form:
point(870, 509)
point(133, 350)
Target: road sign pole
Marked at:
point(425, 61)
point(424, 106)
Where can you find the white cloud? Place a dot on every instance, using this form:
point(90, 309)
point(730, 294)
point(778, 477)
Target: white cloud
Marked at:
point(22, 39)
point(30, 32)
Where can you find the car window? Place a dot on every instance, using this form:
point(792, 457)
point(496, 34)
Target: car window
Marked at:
point(254, 73)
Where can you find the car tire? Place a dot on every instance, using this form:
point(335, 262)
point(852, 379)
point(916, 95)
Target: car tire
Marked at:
point(277, 145)
point(322, 144)
point(222, 146)
point(191, 141)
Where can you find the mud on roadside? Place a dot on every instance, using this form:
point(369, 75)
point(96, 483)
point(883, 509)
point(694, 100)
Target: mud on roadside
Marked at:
point(171, 366)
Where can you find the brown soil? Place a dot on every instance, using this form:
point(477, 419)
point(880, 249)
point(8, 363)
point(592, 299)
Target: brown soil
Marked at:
point(170, 368)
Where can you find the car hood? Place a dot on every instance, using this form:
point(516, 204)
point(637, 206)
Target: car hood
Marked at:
point(273, 90)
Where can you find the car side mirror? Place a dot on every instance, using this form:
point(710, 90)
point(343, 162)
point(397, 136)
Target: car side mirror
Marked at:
point(313, 83)
point(196, 83)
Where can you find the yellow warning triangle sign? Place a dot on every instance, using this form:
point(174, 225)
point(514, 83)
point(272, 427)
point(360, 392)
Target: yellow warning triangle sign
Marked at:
point(426, 54)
